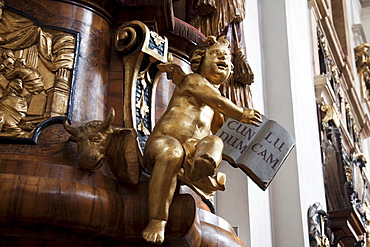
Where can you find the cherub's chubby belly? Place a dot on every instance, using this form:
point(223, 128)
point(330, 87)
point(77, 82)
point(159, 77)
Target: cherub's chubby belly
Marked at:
point(184, 124)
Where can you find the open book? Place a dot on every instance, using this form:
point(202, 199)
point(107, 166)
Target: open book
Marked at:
point(258, 151)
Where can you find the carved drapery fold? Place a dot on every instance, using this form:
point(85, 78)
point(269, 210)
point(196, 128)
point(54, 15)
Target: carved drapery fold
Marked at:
point(224, 12)
point(36, 70)
point(17, 32)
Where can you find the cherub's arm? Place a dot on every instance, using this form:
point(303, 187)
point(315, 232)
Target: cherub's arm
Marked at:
point(198, 87)
point(217, 121)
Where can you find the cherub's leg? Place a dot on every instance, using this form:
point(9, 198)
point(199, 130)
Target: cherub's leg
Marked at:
point(167, 154)
point(207, 158)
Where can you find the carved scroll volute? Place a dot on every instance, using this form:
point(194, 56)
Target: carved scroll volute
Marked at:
point(142, 50)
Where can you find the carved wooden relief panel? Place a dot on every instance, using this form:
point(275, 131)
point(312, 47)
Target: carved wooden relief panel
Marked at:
point(36, 74)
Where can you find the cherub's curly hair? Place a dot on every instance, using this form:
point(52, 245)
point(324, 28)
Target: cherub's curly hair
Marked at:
point(197, 56)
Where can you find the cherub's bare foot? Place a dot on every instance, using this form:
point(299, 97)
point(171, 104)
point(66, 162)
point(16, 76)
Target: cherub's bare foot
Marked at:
point(204, 166)
point(154, 232)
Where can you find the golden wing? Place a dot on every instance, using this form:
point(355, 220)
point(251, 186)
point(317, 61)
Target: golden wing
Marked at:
point(174, 72)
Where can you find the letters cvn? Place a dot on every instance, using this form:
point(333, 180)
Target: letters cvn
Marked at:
point(264, 148)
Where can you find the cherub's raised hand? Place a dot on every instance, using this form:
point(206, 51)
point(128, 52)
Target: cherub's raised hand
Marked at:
point(251, 116)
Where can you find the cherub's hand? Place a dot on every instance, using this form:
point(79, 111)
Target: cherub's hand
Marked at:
point(251, 116)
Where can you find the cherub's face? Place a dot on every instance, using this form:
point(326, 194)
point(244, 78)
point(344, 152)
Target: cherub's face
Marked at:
point(216, 65)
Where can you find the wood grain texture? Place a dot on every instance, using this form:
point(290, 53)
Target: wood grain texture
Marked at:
point(346, 222)
point(89, 210)
point(61, 206)
point(45, 199)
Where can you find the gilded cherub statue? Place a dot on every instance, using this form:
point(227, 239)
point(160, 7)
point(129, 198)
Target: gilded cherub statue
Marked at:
point(181, 138)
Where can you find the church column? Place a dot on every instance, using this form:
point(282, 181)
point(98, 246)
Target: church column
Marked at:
point(290, 100)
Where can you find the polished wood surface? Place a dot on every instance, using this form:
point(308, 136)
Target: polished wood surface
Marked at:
point(46, 200)
point(344, 223)
point(42, 187)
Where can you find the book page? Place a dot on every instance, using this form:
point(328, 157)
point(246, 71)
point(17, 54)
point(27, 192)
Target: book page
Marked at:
point(258, 151)
point(266, 154)
point(237, 136)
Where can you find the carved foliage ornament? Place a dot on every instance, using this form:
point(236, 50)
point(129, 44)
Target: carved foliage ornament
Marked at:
point(328, 68)
point(327, 65)
point(141, 50)
point(36, 67)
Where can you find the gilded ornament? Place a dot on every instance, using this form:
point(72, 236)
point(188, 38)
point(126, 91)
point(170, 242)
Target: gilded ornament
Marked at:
point(35, 74)
point(330, 115)
point(181, 139)
point(362, 56)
